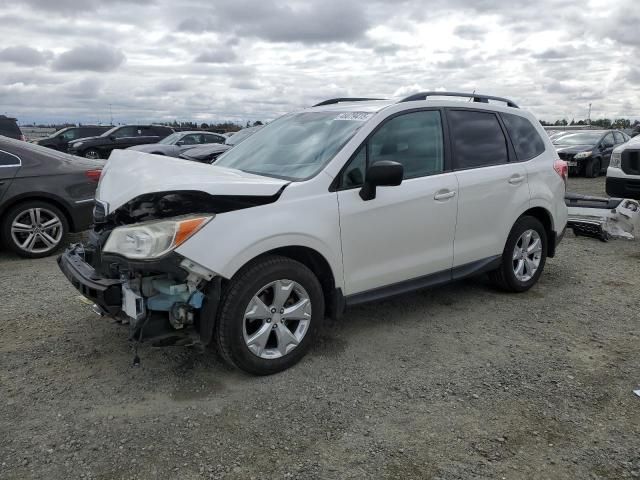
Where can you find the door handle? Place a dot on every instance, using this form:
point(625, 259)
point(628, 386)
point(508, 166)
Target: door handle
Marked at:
point(444, 195)
point(516, 179)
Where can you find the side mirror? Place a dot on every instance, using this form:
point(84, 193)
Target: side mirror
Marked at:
point(112, 138)
point(384, 173)
point(180, 143)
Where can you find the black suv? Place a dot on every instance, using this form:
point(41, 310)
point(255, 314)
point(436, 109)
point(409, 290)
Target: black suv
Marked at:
point(124, 136)
point(588, 152)
point(62, 138)
point(9, 128)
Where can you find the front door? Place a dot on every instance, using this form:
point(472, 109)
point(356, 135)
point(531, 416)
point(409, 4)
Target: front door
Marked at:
point(406, 232)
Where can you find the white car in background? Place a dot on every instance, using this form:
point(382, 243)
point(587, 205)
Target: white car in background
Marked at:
point(623, 174)
point(350, 201)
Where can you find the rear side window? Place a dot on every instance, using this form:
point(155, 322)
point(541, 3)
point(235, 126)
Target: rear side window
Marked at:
point(619, 137)
point(524, 136)
point(478, 140)
point(8, 160)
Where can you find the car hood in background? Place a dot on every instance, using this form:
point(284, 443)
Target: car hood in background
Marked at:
point(129, 174)
point(574, 148)
point(173, 150)
point(206, 150)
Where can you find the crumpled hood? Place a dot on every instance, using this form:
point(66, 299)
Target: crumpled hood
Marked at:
point(574, 148)
point(129, 174)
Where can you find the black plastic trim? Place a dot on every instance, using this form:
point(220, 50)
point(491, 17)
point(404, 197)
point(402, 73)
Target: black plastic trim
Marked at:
point(332, 101)
point(623, 187)
point(476, 97)
point(426, 281)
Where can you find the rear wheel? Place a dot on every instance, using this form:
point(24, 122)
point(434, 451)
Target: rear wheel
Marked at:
point(524, 256)
point(34, 229)
point(92, 153)
point(269, 315)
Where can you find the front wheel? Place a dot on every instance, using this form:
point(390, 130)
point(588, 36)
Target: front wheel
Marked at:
point(34, 229)
point(592, 169)
point(524, 256)
point(92, 153)
point(269, 315)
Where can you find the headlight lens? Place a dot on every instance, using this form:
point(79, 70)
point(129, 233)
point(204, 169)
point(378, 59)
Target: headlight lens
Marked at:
point(616, 160)
point(153, 239)
point(583, 155)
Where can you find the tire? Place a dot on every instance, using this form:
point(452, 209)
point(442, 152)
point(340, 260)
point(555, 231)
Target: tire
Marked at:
point(92, 153)
point(505, 276)
point(234, 331)
point(592, 170)
point(38, 240)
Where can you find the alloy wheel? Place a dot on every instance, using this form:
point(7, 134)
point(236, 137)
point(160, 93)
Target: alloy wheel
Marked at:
point(527, 254)
point(37, 230)
point(276, 319)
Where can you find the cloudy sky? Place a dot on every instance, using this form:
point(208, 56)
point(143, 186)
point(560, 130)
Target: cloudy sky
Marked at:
point(204, 60)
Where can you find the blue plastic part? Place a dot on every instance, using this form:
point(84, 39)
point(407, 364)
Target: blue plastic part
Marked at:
point(196, 299)
point(164, 302)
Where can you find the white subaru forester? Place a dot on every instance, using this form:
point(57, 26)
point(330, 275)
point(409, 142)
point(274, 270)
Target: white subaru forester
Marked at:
point(350, 201)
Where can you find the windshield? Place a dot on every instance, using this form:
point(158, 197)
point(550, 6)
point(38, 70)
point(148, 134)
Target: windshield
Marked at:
point(296, 146)
point(590, 138)
point(171, 139)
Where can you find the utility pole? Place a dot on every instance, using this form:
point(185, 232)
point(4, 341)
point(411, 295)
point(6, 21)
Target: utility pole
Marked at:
point(589, 116)
point(111, 113)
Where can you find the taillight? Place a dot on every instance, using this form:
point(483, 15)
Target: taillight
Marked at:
point(562, 169)
point(93, 175)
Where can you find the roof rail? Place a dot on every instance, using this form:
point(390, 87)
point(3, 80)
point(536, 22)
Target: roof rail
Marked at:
point(331, 101)
point(476, 97)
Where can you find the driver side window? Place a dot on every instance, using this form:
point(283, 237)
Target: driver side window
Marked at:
point(413, 139)
point(608, 141)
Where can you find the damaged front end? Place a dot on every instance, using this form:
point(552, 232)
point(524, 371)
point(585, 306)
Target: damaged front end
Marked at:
point(129, 268)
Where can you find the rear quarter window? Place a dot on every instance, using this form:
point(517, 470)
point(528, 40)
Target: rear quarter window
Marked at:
point(8, 159)
point(524, 136)
point(9, 128)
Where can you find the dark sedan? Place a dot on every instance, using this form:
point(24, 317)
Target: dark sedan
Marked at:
point(178, 142)
point(44, 194)
point(124, 136)
point(61, 139)
point(588, 152)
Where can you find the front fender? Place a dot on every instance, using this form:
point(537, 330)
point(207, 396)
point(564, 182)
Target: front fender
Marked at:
point(232, 239)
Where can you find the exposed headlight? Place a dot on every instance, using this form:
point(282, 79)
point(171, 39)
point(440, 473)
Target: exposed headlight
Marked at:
point(582, 155)
point(616, 160)
point(77, 144)
point(153, 239)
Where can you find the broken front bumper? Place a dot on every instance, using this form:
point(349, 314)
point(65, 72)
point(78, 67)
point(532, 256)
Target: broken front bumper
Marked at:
point(104, 292)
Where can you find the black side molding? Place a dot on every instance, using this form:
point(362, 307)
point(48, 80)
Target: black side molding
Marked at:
point(426, 281)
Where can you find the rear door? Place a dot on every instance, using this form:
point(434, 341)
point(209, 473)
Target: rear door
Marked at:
point(9, 166)
point(493, 185)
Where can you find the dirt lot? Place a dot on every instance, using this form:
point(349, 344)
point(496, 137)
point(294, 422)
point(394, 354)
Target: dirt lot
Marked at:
point(457, 382)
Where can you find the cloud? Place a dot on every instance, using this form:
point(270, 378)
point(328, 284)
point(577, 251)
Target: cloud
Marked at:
point(216, 56)
point(470, 32)
point(23, 55)
point(93, 58)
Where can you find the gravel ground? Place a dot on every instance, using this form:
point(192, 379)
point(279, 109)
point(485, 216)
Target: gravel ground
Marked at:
point(455, 382)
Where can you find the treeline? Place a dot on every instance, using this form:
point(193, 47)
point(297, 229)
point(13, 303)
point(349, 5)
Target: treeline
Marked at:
point(601, 122)
point(222, 126)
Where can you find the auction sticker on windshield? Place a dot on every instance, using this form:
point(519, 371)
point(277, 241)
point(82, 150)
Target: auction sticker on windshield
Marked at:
point(354, 116)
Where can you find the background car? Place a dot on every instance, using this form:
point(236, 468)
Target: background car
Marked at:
point(205, 153)
point(44, 194)
point(588, 152)
point(60, 140)
point(9, 128)
point(124, 136)
point(178, 142)
point(623, 174)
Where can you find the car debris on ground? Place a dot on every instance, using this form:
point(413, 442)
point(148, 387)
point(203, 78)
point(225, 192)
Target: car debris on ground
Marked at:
point(603, 218)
